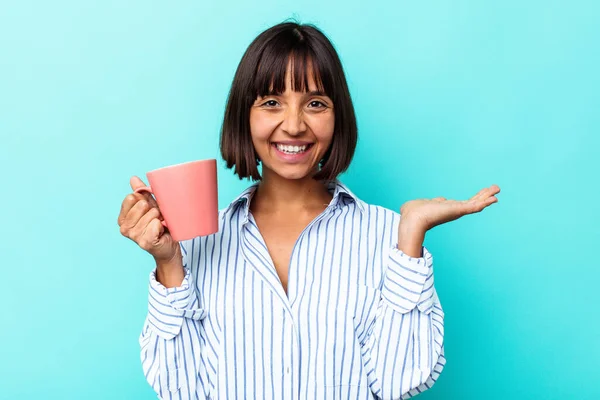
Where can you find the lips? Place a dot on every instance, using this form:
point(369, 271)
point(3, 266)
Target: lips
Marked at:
point(293, 143)
point(292, 149)
point(292, 157)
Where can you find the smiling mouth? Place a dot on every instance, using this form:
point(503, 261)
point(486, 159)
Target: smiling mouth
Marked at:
point(292, 149)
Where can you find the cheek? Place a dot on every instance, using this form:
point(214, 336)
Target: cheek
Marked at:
point(261, 127)
point(323, 128)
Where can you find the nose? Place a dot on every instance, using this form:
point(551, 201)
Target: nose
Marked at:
point(293, 122)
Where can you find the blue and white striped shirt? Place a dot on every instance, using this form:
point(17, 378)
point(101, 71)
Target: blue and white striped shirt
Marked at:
point(361, 319)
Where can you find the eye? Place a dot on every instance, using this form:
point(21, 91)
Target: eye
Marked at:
point(270, 103)
point(317, 104)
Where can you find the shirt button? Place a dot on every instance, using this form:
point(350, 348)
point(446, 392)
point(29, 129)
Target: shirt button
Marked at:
point(287, 370)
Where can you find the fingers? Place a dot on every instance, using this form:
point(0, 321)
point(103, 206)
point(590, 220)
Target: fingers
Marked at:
point(484, 193)
point(490, 200)
point(494, 190)
point(143, 225)
point(140, 220)
point(480, 195)
point(477, 205)
point(136, 183)
point(133, 215)
point(141, 228)
point(148, 231)
point(155, 230)
point(127, 204)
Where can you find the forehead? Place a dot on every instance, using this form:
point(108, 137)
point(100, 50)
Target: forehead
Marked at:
point(307, 75)
point(294, 72)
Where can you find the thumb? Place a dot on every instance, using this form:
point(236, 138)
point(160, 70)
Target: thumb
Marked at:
point(136, 183)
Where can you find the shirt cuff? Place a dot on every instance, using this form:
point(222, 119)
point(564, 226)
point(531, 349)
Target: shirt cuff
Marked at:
point(408, 281)
point(168, 306)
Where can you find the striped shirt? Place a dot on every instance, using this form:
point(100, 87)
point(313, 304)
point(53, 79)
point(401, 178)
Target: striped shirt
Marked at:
point(361, 319)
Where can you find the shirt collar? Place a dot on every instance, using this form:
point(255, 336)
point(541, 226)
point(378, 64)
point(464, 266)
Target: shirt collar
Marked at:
point(341, 196)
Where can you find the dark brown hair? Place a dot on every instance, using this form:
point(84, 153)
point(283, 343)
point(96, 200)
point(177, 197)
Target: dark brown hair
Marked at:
point(262, 72)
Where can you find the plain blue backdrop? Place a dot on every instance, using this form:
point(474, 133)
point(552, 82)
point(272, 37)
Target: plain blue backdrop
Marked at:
point(451, 96)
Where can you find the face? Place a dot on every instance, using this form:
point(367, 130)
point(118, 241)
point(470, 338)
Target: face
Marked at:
point(292, 131)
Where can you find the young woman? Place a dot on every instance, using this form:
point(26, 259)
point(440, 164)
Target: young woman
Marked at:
point(306, 292)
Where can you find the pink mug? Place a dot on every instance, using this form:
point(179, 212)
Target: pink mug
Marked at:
point(187, 197)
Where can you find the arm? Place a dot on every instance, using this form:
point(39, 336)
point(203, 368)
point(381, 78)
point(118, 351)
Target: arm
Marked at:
point(403, 352)
point(170, 339)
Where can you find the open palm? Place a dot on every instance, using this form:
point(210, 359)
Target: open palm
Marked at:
point(430, 213)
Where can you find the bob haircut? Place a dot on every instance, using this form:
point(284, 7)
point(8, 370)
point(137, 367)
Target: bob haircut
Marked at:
point(261, 72)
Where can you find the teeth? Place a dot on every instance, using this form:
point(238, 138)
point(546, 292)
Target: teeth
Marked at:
point(291, 149)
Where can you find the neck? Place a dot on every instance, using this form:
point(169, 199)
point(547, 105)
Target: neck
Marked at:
point(276, 194)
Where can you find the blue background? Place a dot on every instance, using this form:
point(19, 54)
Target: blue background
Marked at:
point(451, 96)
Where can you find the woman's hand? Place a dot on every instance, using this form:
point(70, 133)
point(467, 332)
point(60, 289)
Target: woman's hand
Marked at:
point(419, 216)
point(140, 221)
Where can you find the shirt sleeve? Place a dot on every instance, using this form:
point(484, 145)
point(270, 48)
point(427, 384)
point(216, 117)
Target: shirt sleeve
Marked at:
point(408, 281)
point(167, 307)
point(403, 352)
point(170, 342)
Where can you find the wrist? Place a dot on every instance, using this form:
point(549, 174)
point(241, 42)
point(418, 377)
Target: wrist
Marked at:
point(170, 272)
point(410, 238)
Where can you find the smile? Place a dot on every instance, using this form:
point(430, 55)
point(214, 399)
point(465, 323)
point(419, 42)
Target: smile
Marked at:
point(292, 149)
point(292, 154)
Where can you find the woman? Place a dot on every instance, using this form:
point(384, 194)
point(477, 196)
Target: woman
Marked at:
point(306, 292)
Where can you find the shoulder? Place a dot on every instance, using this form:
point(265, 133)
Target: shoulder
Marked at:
point(346, 195)
point(371, 212)
point(372, 223)
point(380, 218)
point(375, 209)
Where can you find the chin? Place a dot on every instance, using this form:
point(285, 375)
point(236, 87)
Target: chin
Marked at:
point(292, 172)
point(293, 175)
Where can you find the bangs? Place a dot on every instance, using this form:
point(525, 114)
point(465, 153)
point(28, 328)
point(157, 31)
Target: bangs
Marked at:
point(270, 76)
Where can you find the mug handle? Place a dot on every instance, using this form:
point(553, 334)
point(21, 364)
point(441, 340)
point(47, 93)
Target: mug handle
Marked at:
point(148, 189)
